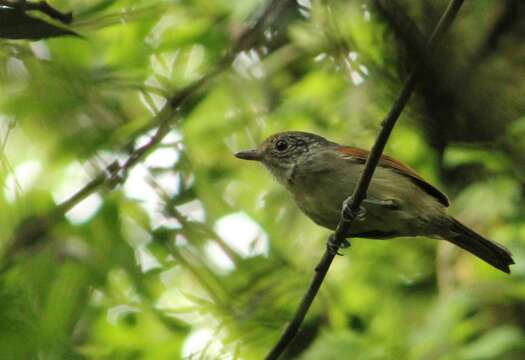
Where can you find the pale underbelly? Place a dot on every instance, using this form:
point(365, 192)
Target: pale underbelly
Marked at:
point(375, 224)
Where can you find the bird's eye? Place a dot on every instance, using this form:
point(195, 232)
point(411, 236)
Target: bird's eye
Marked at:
point(281, 145)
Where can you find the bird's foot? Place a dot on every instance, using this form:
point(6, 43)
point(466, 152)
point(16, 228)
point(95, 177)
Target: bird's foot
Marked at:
point(334, 247)
point(348, 213)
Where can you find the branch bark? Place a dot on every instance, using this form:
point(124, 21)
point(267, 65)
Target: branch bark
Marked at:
point(359, 193)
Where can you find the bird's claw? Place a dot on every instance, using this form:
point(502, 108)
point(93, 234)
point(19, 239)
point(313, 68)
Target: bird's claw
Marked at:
point(334, 247)
point(348, 213)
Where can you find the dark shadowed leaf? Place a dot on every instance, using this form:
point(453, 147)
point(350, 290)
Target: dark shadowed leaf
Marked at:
point(15, 24)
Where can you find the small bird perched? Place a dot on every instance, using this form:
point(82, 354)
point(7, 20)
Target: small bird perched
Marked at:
point(321, 175)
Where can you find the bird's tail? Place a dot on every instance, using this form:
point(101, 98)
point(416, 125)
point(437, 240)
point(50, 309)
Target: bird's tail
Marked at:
point(488, 251)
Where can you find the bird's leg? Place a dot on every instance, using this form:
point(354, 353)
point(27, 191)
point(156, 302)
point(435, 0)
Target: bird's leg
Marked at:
point(370, 203)
point(348, 213)
point(333, 248)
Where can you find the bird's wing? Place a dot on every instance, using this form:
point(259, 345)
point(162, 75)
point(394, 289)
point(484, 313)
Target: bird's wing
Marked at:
point(386, 161)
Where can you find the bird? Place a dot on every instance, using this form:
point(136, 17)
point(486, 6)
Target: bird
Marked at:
point(321, 175)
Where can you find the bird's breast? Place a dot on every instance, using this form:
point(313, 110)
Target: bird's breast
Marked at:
point(319, 192)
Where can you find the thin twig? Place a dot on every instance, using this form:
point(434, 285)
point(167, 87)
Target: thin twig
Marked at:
point(360, 191)
point(246, 39)
point(172, 212)
point(165, 116)
point(116, 173)
point(41, 6)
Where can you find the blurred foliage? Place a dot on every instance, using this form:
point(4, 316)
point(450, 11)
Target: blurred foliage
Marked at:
point(200, 256)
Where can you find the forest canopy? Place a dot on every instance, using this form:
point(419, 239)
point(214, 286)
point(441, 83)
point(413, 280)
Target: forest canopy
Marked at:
point(130, 231)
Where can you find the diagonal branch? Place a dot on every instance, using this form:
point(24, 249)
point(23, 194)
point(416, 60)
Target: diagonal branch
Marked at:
point(360, 191)
point(33, 229)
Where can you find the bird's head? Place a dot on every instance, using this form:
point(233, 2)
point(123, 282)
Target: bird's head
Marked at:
point(282, 151)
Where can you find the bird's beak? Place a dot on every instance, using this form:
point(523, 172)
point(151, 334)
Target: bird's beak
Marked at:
point(253, 154)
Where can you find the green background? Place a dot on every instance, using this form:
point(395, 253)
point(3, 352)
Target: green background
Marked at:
point(199, 255)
